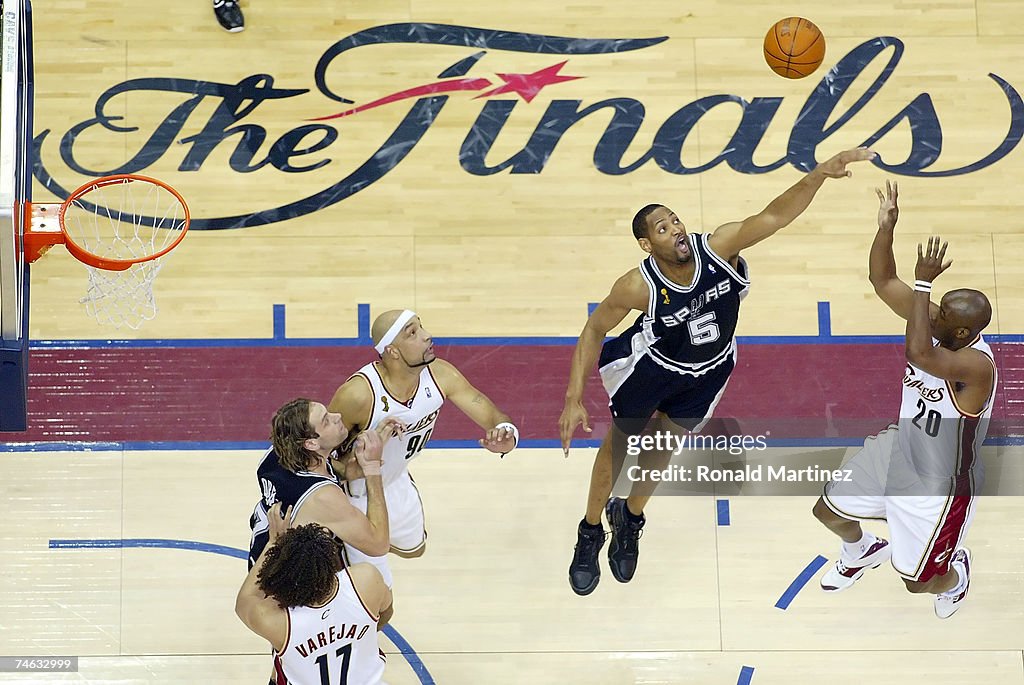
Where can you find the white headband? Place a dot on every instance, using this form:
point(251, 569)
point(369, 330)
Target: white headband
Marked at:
point(395, 329)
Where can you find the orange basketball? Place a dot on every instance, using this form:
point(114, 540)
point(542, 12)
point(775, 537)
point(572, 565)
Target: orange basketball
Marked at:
point(794, 47)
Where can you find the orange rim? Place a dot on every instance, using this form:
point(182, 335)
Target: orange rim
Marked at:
point(100, 262)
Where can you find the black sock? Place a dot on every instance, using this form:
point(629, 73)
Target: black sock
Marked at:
point(588, 526)
point(633, 518)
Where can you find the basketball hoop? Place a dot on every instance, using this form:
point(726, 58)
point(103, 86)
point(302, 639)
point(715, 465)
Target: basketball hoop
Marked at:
point(120, 227)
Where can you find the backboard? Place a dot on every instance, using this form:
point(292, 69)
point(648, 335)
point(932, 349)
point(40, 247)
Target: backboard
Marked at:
point(15, 189)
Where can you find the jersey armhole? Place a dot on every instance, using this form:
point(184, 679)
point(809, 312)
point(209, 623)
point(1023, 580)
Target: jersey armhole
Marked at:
point(287, 635)
point(373, 398)
point(951, 387)
point(351, 582)
point(436, 384)
point(724, 263)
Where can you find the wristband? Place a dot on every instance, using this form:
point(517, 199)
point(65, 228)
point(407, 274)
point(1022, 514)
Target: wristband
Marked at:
point(515, 434)
point(922, 286)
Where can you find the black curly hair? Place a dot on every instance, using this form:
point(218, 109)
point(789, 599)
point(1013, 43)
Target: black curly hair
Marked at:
point(300, 568)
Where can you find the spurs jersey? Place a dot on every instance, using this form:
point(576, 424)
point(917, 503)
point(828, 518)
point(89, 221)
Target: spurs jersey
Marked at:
point(940, 440)
point(333, 643)
point(278, 484)
point(418, 414)
point(690, 329)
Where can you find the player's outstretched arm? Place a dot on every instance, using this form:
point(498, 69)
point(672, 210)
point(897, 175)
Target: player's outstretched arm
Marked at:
point(501, 434)
point(629, 292)
point(896, 294)
point(260, 613)
point(368, 533)
point(729, 239)
point(967, 366)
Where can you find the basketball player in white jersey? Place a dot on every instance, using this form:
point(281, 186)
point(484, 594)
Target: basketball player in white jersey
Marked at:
point(921, 475)
point(675, 360)
point(320, 617)
point(409, 384)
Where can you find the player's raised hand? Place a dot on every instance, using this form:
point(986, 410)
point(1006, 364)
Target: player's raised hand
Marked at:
point(499, 440)
point(929, 260)
point(278, 524)
point(835, 167)
point(574, 414)
point(888, 210)
point(368, 450)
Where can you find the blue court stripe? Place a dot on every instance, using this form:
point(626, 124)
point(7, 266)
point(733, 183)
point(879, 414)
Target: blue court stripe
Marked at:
point(113, 543)
point(746, 675)
point(798, 583)
point(279, 338)
point(410, 655)
point(279, 323)
point(363, 324)
point(723, 512)
point(824, 320)
point(403, 645)
point(465, 341)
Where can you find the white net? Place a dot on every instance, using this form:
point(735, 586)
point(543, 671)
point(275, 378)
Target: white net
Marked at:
point(127, 220)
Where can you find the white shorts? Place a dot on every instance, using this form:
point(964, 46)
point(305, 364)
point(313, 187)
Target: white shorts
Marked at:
point(925, 530)
point(405, 522)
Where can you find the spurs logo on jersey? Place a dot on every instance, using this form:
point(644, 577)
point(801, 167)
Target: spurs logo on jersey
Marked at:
point(696, 304)
point(333, 643)
point(419, 415)
point(941, 440)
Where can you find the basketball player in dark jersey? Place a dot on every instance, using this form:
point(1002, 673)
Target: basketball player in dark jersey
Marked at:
point(297, 472)
point(675, 360)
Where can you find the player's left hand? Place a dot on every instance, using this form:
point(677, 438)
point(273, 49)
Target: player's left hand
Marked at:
point(390, 428)
point(929, 260)
point(278, 525)
point(835, 167)
point(499, 440)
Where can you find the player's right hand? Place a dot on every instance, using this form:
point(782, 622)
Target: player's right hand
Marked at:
point(888, 210)
point(573, 415)
point(368, 450)
point(835, 167)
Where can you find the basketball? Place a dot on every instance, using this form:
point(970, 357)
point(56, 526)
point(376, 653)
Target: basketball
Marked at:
point(794, 47)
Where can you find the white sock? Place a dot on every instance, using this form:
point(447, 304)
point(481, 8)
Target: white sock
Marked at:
point(855, 550)
point(961, 572)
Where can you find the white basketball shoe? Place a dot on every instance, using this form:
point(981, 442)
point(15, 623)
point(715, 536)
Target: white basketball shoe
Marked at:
point(947, 603)
point(846, 572)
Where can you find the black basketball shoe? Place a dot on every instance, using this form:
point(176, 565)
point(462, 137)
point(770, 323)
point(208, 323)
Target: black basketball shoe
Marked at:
point(229, 15)
point(624, 548)
point(585, 571)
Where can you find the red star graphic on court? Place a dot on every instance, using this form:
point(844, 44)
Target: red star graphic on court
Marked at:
point(529, 85)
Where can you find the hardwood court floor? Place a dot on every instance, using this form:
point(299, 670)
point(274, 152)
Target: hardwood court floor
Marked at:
point(539, 246)
point(489, 601)
point(509, 255)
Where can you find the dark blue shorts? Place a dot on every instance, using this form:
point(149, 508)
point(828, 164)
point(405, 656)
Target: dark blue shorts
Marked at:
point(638, 387)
